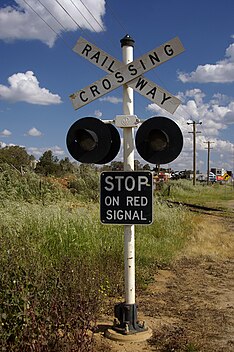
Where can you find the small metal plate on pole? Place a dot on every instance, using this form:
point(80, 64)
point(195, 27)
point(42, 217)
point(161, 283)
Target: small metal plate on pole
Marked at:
point(126, 197)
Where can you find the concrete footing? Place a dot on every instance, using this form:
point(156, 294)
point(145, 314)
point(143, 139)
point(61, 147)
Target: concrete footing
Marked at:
point(137, 337)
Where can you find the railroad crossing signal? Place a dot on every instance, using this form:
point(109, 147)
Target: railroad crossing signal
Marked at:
point(119, 74)
point(89, 140)
point(158, 140)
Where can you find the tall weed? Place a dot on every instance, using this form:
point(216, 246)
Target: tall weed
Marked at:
point(203, 194)
point(58, 263)
point(49, 296)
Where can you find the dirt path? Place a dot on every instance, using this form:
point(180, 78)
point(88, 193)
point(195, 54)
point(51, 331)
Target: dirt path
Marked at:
point(190, 305)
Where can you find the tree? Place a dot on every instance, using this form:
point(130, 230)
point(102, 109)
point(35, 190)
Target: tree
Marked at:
point(15, 156)
point(146, 167)
point(48, 164)
point(137, 165)
point(117, 165)
point(66, 166)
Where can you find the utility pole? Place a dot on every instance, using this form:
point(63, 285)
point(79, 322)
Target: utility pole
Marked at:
point(194, 147)
point(208, 159)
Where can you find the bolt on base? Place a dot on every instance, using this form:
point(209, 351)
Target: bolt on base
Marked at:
point(126, 322)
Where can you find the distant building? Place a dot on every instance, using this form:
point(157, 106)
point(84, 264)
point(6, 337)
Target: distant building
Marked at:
point(219, 172)
point(33, 163)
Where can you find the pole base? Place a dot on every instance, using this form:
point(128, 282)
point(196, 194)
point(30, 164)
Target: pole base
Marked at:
point(134, 337)
point(126, 322)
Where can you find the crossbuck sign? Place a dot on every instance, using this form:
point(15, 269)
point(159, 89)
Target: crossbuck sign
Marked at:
point(119, 74)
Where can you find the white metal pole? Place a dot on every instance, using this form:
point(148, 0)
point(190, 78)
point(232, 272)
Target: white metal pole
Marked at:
point(128, 150)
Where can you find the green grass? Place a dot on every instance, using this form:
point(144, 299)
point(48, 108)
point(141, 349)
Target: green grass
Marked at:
point(56, 259)
point(211, 195)
point(58, 262)
point(165, 237)
point(60, 230)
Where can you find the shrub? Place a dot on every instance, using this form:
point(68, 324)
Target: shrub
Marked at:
point(58, 262)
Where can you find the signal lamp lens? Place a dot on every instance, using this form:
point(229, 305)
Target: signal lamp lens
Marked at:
point(86, 139)
point(158, 140)
point(90, 140)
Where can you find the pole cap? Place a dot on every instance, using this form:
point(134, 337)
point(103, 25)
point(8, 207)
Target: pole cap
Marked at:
point(127, 41)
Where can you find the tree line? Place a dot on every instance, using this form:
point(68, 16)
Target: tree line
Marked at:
point(50, 165)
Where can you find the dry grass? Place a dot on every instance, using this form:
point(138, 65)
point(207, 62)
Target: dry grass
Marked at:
point(213, 237)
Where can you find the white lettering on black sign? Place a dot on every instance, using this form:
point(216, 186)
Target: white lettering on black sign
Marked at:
point(126, 197)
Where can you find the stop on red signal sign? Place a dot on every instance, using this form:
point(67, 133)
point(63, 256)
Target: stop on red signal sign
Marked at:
point(126, 197)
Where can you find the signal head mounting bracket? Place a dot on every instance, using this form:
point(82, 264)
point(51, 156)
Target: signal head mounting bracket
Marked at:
point(122, 121)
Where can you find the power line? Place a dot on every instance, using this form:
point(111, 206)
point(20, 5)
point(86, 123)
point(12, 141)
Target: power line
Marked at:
point(55, 18)
point(77, 24)
point(90, 14)
point(72, 18)
point(52, 15)
point(63, 8)
point(59, 22)
point(109, 37)
point(86, 17)
point(82, 15)
point(115, 17)
point(69, 14)
point(58, 34)
point(95, 19)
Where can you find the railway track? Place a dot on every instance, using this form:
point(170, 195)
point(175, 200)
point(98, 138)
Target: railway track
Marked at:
point(203, 209)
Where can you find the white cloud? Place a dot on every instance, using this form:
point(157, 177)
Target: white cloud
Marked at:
point(112, 100)
point(5, 133)
point(229, 117)
point(97, 113)
point(2, 144)
point(219, 98)
point(57, 150)
point(220, 72)
point(21, 22)
point(34, 132)
point(24, 87)
point(216, 116)
point(37, 152)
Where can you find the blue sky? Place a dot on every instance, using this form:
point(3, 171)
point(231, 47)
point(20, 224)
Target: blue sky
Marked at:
point(39, 69)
